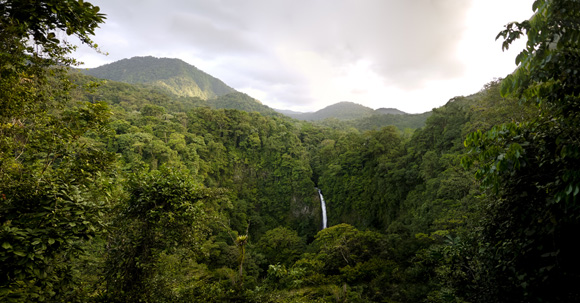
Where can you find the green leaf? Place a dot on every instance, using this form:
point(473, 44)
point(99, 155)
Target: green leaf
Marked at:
point(569, 189)
point(535, 5)
point(521, 57)
point(6, 245)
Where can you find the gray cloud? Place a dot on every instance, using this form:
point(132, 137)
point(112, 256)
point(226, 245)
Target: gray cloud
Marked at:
point(407, 42)
point(208, 35)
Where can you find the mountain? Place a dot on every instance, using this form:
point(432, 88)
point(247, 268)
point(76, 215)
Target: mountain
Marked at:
point(389, 111)
point(341, 111)
point(172, 75)
point(178, 78)
point(344, 115)
point(241, 101)
point(401, 121)
point(289, 113)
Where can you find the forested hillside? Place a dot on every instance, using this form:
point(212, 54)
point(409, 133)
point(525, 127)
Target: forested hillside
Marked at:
point(119, 192)
point(171, 75)
point(406, 122)
point(345, 115)
point(340, 110)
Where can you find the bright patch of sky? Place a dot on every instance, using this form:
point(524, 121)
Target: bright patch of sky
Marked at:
point(413, 55)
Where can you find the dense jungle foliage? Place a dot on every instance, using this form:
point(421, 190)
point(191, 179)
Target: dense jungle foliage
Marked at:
point(114, 192)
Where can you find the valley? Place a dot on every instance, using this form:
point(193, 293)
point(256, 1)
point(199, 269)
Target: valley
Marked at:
point(149, 180)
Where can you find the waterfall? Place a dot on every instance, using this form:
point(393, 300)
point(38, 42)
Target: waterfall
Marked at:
point(323, 206)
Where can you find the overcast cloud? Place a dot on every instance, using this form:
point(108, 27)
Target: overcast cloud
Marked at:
point(413, 55)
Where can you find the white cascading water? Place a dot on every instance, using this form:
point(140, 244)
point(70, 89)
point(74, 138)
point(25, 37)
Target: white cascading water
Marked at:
point(323, 206)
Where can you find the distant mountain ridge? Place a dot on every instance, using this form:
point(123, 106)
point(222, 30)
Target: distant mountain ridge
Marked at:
point(342, 111)
point(172, 75)
point(176, 77)
point(389, 111)
point(241, 101)
point(343, 115)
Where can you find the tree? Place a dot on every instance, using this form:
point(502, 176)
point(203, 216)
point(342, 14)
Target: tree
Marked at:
point(52, 185)
point(281, 245)
point(532, 168)
point(166, 210)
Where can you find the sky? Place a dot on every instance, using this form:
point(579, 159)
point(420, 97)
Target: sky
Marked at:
point(304, 55)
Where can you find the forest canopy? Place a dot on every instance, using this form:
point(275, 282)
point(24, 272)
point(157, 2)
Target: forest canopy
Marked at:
point(131, 192)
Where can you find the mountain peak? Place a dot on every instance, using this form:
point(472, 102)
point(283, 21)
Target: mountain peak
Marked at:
point(391, 111)
point(172, 75)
